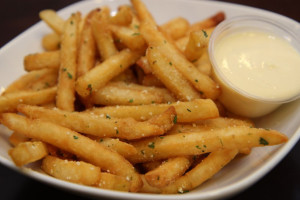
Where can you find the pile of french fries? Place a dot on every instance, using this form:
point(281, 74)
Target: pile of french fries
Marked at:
point(121, 103)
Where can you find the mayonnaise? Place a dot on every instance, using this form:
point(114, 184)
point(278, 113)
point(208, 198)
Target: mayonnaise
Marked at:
point(260, 64)
point(255, 64)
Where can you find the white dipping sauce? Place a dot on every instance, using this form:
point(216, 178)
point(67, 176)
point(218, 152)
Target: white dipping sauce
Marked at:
point(260, 64)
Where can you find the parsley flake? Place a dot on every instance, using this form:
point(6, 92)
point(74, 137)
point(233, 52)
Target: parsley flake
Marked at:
point(75, 137)
point(151, 145)
point(263, 141)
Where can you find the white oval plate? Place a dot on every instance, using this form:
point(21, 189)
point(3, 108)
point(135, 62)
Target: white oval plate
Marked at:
point(237, 176)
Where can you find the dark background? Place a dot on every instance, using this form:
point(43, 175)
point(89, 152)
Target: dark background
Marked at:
point(283, 182)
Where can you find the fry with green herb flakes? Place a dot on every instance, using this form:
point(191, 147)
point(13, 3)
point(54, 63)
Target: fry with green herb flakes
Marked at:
point(196, 143)
point(64, 138)
point(68, 65)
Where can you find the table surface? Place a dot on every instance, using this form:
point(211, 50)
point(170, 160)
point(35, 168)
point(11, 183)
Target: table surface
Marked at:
point(283, 182)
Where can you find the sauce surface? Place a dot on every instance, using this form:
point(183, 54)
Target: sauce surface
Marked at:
point(260, 64)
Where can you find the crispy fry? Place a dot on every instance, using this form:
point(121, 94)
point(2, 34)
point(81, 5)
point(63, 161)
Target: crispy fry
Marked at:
point(9, 102)
point(75, 143)
point(113, 182)
point(73, 171)
point(175, 28)
point(117, 145)
point(131, 38)
point(16, 138)
point(120, 93)
point(87, 47)
point(168, 171)
point(164, 70)
point(67, 72)
point(196, 143)
point(53, 20)
point(97, 77)
point(202, 172)
point(51, 42)
point(209, 22)
point(186, 111)
point(123, 17)
point(50, 59)
point(144, 64)
point(126, 128)
point(26, 80)
point(28, 152)
point(197, 45)
point(103, 35)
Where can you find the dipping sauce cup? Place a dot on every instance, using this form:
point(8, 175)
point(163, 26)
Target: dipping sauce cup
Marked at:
point(256, 62)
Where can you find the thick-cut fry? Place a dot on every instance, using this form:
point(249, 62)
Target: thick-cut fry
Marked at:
point(16, 138)
point(102, 126)
point(168, 171)
point(27, 152)
point(75, 143)
point(175, 28)
point(103, 35)
point(53, 20)
point(73, 171)
point(186, 111)
point(97, 77)
point(67, 72)
point(164, 70)
point(9, 102)
point(113, 182)
point(202, 172)
point(196, 143)
point(49, 59)
point(51, 42)
point(87, 47)
point(120, 93)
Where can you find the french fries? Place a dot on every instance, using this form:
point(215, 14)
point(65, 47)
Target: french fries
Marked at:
point(27, 152)
point(73, 171)
point(120, 102)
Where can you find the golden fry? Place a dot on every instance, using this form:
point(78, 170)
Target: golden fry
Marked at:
point(67, 72)
point(73, 171)
point(53, 20)
point(28, 152)
point(49, 59)
point(75, 143)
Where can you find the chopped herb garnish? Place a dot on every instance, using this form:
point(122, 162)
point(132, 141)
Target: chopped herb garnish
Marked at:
point(170, 63)
point(69, 75)
point(175, 119)
point(101, 140)
point(107, 116)
point(75, 137)
point(197, 146)
point(263, 141)
point(121, 66)
point(204, 33)
point(196, 80)
point(136, 26)
point(188, 110)
point(221, 142)
point(89, 88)
point(71, 22)
point(161, 137)
point(135, 34)
point(117, 131)
point(130, 100)
point(151, 145)
point(143, 152)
